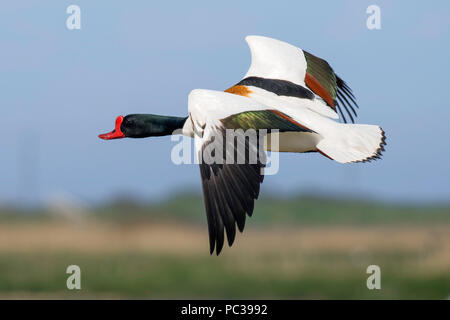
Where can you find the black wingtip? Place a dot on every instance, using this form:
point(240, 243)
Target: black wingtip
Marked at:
point(219, 248)
point(346, 100)
point(241, 224)
point(231, 238)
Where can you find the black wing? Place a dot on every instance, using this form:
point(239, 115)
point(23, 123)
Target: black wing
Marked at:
point(229, 189)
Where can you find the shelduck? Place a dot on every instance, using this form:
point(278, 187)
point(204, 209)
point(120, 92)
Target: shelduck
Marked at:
point(285, 89)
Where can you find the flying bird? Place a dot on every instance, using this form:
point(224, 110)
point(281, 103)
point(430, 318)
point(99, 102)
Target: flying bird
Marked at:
point(286, 92)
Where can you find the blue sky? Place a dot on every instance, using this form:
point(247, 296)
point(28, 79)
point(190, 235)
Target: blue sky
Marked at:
point(60, 88)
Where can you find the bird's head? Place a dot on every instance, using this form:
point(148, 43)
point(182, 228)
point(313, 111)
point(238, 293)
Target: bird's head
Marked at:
point(142, 126)
point(131, 126)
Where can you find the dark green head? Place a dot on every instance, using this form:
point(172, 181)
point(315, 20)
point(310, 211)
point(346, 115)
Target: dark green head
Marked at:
point(143, 126)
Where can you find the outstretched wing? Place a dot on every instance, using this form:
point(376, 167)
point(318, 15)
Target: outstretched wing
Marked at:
point(229, 189)
point(282, 71)
point(231, 160)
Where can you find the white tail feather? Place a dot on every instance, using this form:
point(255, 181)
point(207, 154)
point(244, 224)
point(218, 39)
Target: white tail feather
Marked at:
point(353, 143)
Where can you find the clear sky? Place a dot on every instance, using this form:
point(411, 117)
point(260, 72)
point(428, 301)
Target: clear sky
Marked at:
point(60, 88)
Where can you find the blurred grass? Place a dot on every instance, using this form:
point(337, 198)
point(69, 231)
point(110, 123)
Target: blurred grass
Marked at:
point(302, 210)
point(137, 275)
point(303, 247)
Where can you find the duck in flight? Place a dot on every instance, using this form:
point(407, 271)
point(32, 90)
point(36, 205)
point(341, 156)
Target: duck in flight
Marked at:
point(287, 91)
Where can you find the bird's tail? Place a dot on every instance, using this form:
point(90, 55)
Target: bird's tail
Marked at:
point(353, 143)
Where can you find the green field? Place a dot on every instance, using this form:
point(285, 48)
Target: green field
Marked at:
point(302, 247)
